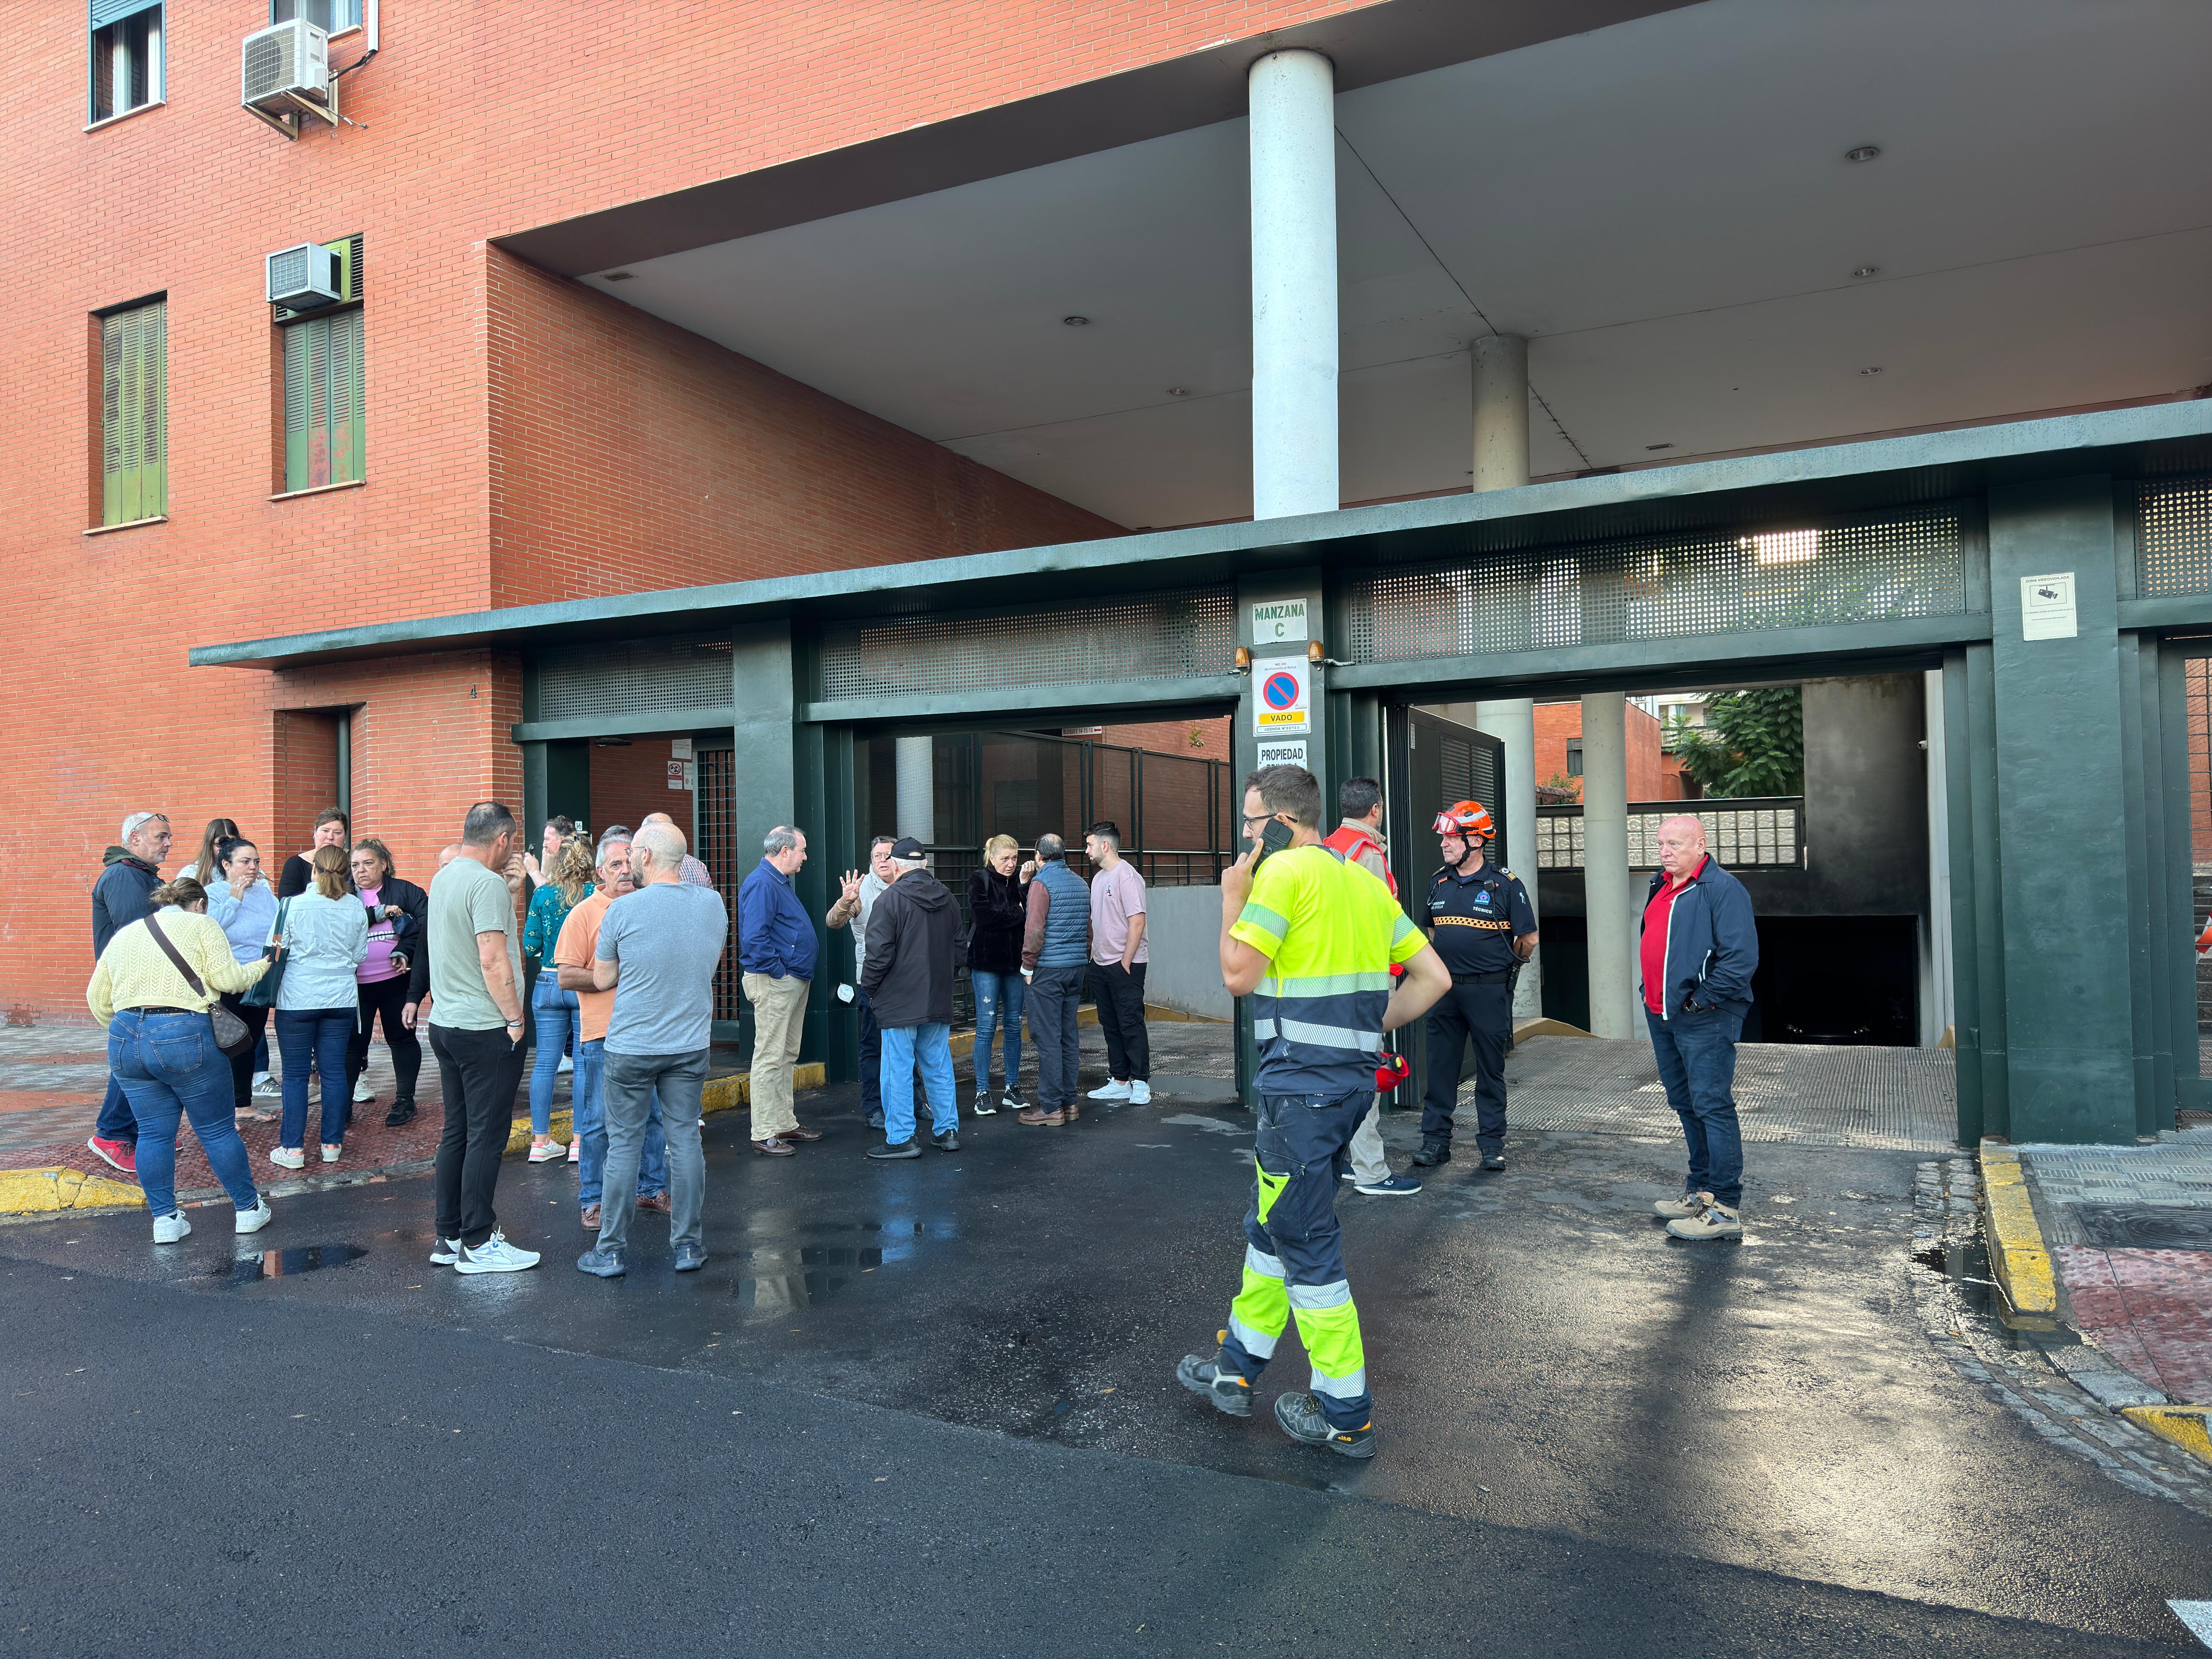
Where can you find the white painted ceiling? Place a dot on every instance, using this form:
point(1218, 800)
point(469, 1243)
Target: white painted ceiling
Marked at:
point(1662, 206)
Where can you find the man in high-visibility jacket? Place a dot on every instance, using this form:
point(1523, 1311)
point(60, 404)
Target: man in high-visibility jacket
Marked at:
point(1311, 939)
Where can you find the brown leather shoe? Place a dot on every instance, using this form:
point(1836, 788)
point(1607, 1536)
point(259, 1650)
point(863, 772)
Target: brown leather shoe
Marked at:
point(801, 1131)
point(1036, 1116)
point(1071, 1111)
point(591, 1217)
point(658, 1203)
point(773, 1147)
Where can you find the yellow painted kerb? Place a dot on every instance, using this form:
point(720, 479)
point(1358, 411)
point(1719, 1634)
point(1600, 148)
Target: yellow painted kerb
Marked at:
point(2183, 1425)
point(722, 1094)
point(2015, 1242)
point(36, 1192)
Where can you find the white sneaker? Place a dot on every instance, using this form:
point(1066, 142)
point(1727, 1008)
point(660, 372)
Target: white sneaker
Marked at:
point(254, 1220)
point(1012, 1102)
point(1716, 1221)
point(331, 1153)
point(495, 1255)
point(287, 1157)
point(575, 1149)
point(982, 1108)
point(565, 1065)
point(266, 1087)
point(168, 1229)
point(1140, 1092)
point(548, 1151)
point(446, 1252)
point(1111, 1090)
point(362, 1094)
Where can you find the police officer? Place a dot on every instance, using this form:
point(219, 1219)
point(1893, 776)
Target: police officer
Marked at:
point(1480, 921)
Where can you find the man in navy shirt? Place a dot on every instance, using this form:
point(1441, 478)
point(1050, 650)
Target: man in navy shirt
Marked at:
point(777, 947)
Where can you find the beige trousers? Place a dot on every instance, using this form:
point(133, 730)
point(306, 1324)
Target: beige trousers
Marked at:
point(779, 1022)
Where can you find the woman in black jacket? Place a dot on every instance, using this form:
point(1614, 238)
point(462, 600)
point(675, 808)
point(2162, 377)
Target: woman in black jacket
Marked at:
point(332, 829)
point(998, 902)
point(394, 976)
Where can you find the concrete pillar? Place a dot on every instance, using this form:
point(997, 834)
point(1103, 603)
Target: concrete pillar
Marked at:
point(917, 788)
point(1606, 897)
point(1501, 412)
point(1513, 722)
point(1936, 1017)
point(1293, 144)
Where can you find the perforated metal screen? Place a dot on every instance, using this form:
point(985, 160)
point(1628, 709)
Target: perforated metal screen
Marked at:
point(1184, 636)
point(1662, 588)
point(635, 676)
point(1742, 834)
point(2175, 524)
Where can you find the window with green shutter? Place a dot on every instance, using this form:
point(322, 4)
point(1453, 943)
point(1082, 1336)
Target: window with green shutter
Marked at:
point(134, 413)
point(324, 436)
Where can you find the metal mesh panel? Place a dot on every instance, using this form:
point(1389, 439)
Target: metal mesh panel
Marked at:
point(1171, 636)
point(2176, 527)
point(635, 676)
point(718, 851)
point(1741, 835)
point(1662, 587)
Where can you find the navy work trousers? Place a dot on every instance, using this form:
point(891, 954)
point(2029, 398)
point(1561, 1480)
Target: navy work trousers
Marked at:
point(1482, 1014)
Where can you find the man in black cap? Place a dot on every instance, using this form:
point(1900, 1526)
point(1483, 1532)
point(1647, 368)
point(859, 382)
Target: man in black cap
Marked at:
point(908, 982)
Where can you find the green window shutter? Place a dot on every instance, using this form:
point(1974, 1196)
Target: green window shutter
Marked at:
point(346, 446)
point(134, 414)
point(324, 442)
point(295, 405)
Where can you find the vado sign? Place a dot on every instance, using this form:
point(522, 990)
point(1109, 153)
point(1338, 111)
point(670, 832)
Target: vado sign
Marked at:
point(1278, 701)
point(1278, 622)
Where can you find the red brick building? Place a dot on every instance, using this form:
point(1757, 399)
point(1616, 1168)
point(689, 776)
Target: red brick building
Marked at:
point(1559, 752)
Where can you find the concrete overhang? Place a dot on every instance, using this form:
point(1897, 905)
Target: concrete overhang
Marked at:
point(2164, 439)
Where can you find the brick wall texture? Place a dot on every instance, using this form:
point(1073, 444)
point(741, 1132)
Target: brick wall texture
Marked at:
point(526, 439)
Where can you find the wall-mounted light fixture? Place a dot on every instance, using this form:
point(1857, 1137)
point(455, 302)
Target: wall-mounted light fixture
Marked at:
point(1243, 659)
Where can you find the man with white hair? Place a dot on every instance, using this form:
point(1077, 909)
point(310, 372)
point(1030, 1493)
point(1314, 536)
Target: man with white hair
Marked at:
point(777, 947)
point(1697, 952)
point(909, 979)
point(656, 951)
point(122, 894)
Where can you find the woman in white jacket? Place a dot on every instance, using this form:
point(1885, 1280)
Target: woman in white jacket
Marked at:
point(325, 937)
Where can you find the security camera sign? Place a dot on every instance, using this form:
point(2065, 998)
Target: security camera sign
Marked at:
point(1279, 703)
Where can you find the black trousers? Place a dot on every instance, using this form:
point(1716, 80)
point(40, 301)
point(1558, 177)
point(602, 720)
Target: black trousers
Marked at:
point(478, 1072)
point(1119, 993)
point(1483, 1014)
point(242, 1064)
point(383, 1001)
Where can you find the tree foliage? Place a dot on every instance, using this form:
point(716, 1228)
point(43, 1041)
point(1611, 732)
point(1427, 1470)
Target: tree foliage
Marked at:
point(1753, 744)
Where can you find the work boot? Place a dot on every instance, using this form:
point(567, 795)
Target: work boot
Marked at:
point(1302, 1419)
point(1717, 1221)
point(1432, 1153)
point(1229, 1393)
point(1690, 1204)
point(1493, 1161)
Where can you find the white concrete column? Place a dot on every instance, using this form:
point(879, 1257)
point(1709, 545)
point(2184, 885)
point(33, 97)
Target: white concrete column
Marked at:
point(1513, 722)
point(917, 788)
point(1501, 412)
point(1293, 143)
point(1606, 880)
point(1937, 995)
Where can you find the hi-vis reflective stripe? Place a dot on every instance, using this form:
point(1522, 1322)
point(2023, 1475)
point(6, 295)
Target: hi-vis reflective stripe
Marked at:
point(1267, 921)
point(1341, 1387)
point(1260, 1262)
point(1258, 1344)
point(1318, 1036)
point(1324, 985)
point(1321, 1296)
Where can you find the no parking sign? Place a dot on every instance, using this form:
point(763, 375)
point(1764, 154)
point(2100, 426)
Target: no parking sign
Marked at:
point(1279, 702)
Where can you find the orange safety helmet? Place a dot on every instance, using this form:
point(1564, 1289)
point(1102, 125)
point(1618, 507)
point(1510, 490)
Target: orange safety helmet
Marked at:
point(1465, 817)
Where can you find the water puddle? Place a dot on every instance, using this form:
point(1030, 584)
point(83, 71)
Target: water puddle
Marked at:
point(288, 1264)
point(1974, 1293)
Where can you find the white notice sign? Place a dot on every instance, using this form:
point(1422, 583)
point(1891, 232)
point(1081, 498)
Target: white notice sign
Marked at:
point(680, 748)
point(1282, 754)
point(2046, 607)
point(1278, 702)
point(1277, 622)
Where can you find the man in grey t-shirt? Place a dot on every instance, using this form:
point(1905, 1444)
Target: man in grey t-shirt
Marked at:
point(658, 950)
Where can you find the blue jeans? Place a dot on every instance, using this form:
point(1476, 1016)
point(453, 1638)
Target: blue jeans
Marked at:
point(997, 993)
point(315, 1037)
point(903, 1045)
point(591, 1124)
point(169, 1068)
point(555, 1014)
point(1696, 1062)
point(117, 1122)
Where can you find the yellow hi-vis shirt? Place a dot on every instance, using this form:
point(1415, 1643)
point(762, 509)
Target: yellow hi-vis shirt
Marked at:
point(1330, 932)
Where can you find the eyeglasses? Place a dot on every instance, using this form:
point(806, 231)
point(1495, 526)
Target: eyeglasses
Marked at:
point(1260, 818)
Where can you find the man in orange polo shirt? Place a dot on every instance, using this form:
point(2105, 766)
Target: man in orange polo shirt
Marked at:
point(573, 954)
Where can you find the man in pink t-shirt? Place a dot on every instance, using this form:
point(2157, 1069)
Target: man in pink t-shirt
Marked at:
point(1118, 956)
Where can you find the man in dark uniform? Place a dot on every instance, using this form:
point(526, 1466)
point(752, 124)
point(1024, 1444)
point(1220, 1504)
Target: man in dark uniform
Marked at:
point(1480, 921)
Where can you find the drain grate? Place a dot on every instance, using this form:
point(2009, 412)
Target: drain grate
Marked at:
point(2144, 1226)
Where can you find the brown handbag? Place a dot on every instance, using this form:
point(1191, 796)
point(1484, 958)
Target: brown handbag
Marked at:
point(231, 1035)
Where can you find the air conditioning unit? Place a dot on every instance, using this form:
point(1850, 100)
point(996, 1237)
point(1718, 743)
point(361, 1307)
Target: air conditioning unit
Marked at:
point(286, 74)
point(304, 277)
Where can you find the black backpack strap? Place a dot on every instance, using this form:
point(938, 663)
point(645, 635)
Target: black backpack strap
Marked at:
point(175, 957)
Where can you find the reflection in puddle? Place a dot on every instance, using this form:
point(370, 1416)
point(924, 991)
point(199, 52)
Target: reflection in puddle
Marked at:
point(784, 1280)
point(788, 1293)
point(784, 1272)
point(288, 1264)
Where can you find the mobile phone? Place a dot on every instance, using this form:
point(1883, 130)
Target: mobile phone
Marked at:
point(1273, 839)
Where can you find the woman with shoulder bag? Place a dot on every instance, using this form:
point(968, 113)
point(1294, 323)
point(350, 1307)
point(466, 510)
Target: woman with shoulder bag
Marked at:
point(317, 1005)
point(393, 977)
point(240, 901)
point(153, 989)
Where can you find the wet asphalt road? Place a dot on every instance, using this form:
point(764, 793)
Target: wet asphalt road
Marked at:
point(932, 1403)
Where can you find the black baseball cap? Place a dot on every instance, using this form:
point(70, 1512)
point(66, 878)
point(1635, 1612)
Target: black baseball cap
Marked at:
point(906, 846)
